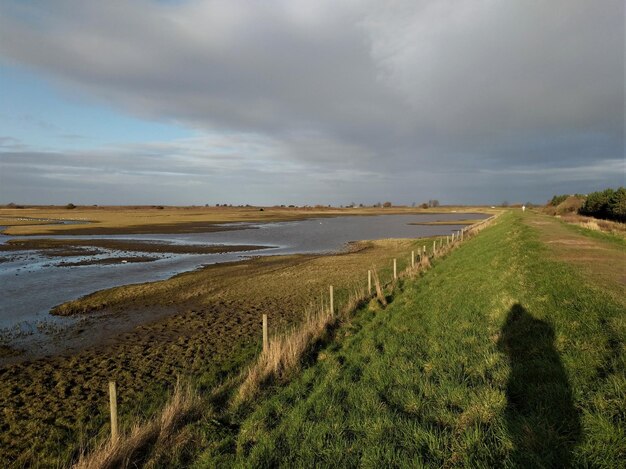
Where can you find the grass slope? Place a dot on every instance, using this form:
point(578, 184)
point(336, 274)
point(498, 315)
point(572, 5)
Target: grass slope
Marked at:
point(499, 356)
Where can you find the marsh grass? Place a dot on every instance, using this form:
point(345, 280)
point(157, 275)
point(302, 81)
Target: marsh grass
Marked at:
point(133, 447)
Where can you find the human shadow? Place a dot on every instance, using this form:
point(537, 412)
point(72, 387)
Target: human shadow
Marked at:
point(540, 414)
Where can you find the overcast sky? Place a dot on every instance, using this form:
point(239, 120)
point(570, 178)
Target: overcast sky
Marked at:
point(306, 102)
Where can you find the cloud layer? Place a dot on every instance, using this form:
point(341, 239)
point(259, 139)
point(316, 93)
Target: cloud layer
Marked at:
point(468, 101)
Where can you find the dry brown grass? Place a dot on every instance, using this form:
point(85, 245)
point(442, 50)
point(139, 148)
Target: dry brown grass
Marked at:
point(285, 353)
point(130, 450)
point(596, 224)
point(377, 287)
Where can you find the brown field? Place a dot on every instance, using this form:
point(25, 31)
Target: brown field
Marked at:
point(137, 220)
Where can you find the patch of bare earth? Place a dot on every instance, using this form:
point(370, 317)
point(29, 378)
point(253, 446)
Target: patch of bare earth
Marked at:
point(602, 261)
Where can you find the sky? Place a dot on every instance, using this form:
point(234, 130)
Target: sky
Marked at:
point(195, 102)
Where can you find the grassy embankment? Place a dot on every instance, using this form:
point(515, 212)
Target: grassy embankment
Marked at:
point(445, 372)
point(500, 355)
point(506, 353)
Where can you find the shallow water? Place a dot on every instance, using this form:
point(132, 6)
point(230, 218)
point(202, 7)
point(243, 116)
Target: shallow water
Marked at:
point(32, 284)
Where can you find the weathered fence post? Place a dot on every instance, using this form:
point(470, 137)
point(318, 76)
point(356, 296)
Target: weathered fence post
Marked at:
point(395, 270)
point(113, 406)
point(266, 340)
point(332, 301)
point(412, 258)
point(434, 246)
point(369, 282)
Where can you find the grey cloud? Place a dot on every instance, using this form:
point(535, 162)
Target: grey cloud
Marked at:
point(402, 92)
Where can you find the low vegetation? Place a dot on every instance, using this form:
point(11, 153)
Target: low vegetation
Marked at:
point(156, 435)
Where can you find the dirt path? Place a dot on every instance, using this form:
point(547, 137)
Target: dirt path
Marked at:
point(602, 260)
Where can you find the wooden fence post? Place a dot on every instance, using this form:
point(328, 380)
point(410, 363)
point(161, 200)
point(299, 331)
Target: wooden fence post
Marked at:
point(266, 340)
point(332, 301)
point(369, 282)
point(113, 406)
point(434, 246)
point(395, 270)
point(412, 258)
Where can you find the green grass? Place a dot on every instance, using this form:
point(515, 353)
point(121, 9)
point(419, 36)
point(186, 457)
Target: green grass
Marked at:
point(497, 357)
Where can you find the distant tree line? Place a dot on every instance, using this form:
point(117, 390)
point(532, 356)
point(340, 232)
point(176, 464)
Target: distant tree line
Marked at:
point(609, 204)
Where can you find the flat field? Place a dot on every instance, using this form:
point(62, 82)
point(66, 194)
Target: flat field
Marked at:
point(142, 219)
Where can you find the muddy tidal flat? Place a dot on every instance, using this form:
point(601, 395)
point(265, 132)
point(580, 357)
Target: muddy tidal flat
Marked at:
point(144, 323)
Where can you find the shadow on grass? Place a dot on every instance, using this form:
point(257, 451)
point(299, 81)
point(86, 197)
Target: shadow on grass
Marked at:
point(540, 414)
